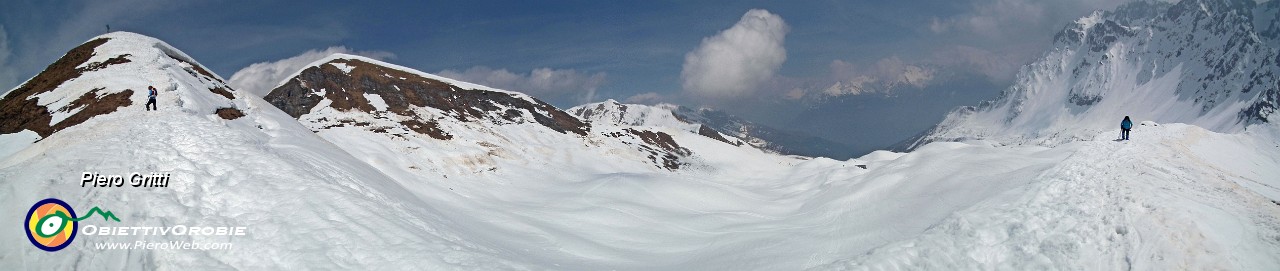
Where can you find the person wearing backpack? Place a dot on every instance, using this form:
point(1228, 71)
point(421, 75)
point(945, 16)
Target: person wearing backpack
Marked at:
point(151, 98)
point(1125, 126)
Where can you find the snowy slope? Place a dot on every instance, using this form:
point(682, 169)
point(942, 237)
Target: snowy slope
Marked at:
point(1087, 205)
point(106, 74)
point(263, 171)
point(565, 201)
point(1178, 197)
point(1213, 64)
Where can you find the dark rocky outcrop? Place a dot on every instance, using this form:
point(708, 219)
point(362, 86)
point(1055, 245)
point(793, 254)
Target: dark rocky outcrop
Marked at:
point(703, 130)
point(661, 147)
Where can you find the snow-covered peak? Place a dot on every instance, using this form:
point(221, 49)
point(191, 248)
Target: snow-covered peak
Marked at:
point(112, 73)
point(233, 160)
point(1196, 62)
point(1087, 22)
point(337, 90)
point(611, 112)
point(355, 98)
point(145, 47)
point(711, 123)
point(339, 58)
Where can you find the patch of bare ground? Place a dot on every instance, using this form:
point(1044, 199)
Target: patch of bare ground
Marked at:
point(20, 111)
point(223, 91)
point(94, 105)
point(229, 113)
point(429, 128)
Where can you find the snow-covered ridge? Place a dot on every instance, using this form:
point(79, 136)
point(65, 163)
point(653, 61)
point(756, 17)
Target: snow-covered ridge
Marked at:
point(406, 97)
point(451, 81)
point(613, 113)
point(1213, 64)
point(109, 73)
point(710, 123)
point(350, 99)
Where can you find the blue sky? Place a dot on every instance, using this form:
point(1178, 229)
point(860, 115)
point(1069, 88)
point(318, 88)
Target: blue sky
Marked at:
point(569, 52)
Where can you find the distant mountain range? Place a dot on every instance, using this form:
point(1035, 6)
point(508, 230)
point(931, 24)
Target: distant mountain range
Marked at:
point(712, 123)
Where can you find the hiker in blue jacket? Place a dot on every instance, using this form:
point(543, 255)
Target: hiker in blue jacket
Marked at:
point(151, 98)
point(1125, 126)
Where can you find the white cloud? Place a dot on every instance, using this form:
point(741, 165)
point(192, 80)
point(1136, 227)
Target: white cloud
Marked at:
point(646, 98)
point(734, 62)
point(544, 83)
point(259, 78)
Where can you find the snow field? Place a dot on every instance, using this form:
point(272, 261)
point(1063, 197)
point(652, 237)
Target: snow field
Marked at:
point(947, 205)
point(283, 189)
point(1147, 204)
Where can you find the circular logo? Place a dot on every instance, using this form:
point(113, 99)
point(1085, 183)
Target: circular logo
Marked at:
point(51, 224)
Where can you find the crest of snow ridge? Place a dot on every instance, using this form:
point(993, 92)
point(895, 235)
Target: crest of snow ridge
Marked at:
point(99, 77)
point(350, 83)
point(611, 112)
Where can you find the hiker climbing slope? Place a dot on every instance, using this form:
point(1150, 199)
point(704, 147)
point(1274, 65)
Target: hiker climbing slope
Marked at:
point(151, 98)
